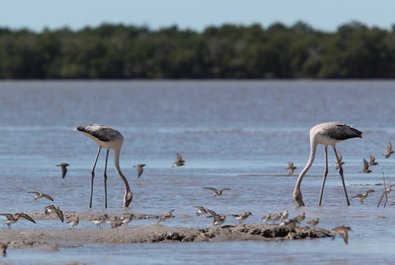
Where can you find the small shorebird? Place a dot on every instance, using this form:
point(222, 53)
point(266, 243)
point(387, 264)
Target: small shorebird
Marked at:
point(99, 220)
point(52, 209)
point(299, 218)
point(342, 231)
point(114, 222)
point(284, 215)
point(275, 217)
point(291, 168)
point(38, 195)
point(387, 190)
point(313, 222)
point(372, 160)
point(365, 167)
point(361, 197)
point(63, 166)
point(267, 218)
point(200, 210)
point(217, 192)
point(166, 215)
point(3, 248)
point(126, 218)
point(73, 221)
point(107, 137)
point(326, 134)
point(340, 163)
point(218, 219)
point(13, 218)
point(242, 216)
point(388, 151)
point(140, 169)
point(179, 161)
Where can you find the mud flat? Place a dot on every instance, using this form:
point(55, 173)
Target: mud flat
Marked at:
point(52, 239)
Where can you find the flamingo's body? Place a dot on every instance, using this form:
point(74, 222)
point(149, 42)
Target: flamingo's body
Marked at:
point(329, 133)
point(107, 137)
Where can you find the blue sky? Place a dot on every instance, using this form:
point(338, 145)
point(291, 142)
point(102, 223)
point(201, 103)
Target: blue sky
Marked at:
point(325, 15)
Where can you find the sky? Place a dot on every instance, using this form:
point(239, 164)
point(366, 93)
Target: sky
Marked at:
point(326, 15)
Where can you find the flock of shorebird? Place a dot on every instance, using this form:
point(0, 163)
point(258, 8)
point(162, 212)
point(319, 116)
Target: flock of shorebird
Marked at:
point(327, 134)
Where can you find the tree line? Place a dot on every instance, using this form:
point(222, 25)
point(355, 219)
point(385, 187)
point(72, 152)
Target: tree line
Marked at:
point(116, 51)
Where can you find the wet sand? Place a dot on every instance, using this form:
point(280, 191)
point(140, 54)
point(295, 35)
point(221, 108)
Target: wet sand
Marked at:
point(52, 239)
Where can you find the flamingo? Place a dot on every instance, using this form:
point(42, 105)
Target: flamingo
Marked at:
point(328, 133)
point(106, 137)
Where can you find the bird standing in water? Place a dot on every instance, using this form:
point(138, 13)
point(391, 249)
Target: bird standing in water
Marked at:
point(107, 137)
point(329, 133)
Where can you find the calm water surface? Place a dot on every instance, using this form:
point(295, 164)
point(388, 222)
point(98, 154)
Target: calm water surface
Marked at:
point(237, 134)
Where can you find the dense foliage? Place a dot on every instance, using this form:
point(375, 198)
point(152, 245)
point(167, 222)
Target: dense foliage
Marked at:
point(229, 51)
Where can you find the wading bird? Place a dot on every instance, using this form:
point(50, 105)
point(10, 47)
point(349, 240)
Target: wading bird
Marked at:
point(313, 222)
point(387, 190)
point(242, 216)
point(179, 161)
point(166, 215)
point(217, 192)
point(140, 169)
point(3, 248)
point(13, 218)
point(372, 160)
point(326, 134)
point(291, 168)
point(106, 137)
point(39, 195)
point(388, 151)
point(200, 210)
point(342, 231)
point(63, 166)
point(361, 197)
point(73, 221)
point(52, 209)
point(365, 167)
point(218, 219)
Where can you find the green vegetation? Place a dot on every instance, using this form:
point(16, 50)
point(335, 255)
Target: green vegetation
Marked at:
point(230, 51)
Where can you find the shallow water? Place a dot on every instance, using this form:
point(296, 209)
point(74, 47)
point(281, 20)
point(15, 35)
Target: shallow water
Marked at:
point(236, 134)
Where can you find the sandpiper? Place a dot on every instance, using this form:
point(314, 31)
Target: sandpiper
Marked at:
point(217, 192)
point(63, 166)
point(13, 218)
point(242, 216)
point(114, 222)
point(313, 222)
point(275, 217)
point(99, 220)
point(342, 231)
point(73, 220)
point(140, 169)
point(361, 197)
point(52, 209)
point(284, 215)
point(372, 160)
point(299, 218)
point(218, 219)
point(200, 210)
point(365, 167)
point(388, 151)
point(165, 216)
point(291, 168)
point(126, 218)
point(3, 248)
point(387, 190)
point(267, 218)
point(39, 195)
point(179, 161)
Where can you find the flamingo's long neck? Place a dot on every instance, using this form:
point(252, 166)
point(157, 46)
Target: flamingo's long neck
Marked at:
point(313, 149)
point(117, 152)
